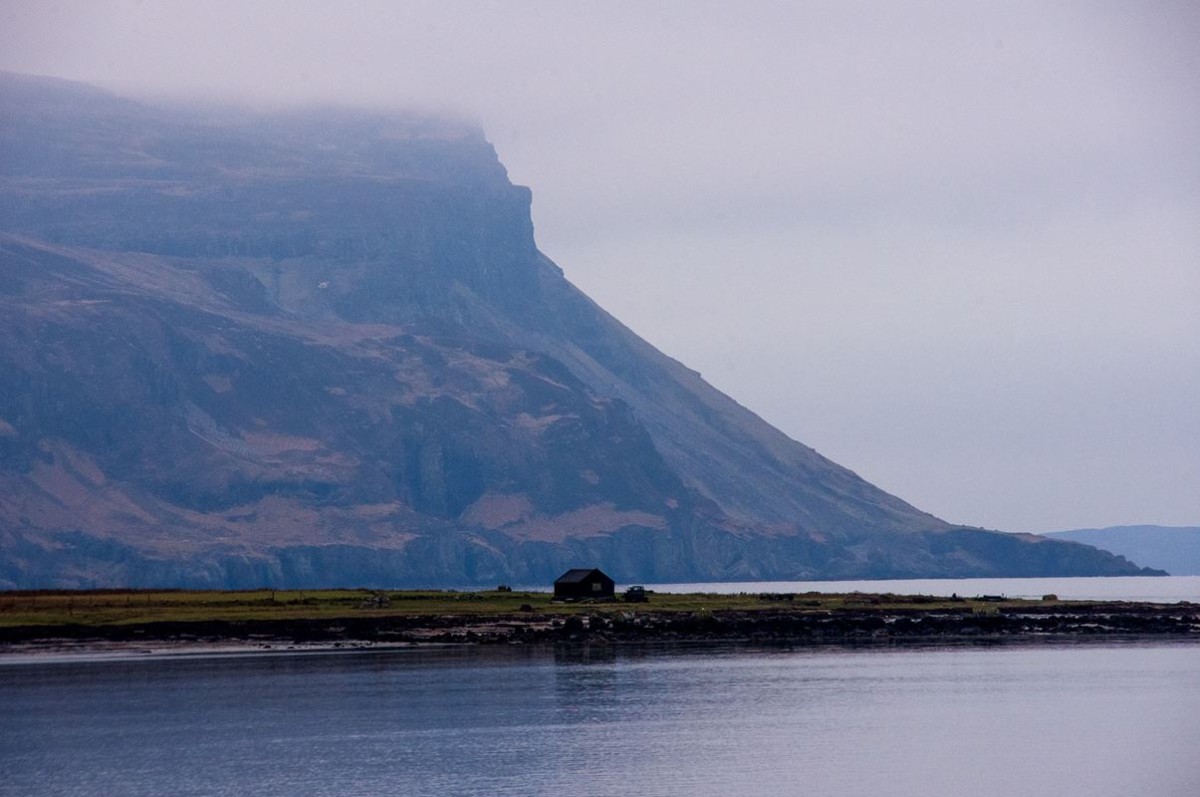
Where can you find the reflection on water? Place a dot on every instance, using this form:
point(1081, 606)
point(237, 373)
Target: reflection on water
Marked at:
point(1066, 721)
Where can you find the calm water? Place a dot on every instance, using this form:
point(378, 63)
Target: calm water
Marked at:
point(1162, 589)
point(1084, 721)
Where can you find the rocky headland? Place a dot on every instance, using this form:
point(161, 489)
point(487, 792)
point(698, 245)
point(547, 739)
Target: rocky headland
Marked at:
point(321, 348)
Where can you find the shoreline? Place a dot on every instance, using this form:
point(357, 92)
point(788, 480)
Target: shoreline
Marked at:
point(621, 626)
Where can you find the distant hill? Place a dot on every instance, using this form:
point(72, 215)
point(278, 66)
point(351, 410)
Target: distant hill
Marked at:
point(1175, 549)
point(322, 348)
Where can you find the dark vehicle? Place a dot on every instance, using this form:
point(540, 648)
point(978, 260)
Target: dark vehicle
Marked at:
point(635, 595)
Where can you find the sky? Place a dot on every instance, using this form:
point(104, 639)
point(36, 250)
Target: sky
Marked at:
point(953, 246)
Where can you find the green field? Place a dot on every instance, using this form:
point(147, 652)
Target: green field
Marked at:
point(135, 607)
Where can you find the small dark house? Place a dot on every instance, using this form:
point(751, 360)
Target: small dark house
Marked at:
point(583, 584)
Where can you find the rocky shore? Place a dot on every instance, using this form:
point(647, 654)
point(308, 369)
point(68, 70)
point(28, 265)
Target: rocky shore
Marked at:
point(791, 626)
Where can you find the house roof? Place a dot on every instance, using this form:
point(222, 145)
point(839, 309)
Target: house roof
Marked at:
point(577, 575)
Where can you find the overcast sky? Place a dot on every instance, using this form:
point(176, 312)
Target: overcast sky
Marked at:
point(953, 246)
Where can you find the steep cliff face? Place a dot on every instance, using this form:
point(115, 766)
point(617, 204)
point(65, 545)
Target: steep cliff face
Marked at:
point(323, 348)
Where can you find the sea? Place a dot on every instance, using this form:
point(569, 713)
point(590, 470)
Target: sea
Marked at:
point(1067, 720)
point(1149, 589)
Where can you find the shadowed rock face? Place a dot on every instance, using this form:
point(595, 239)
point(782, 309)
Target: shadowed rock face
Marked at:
point(323, 349)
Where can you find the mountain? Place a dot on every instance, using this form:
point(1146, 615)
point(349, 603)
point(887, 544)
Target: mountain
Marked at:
point(1175, 549)
point(322, 348)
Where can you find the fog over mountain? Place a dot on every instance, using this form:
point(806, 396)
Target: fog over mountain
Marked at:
point(951, 246)
point(322, 348)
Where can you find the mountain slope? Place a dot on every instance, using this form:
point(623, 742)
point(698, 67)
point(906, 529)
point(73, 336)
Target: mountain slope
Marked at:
point(322, 348)
point(1175, 549)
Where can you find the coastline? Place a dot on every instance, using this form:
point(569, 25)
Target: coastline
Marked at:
point(767, 620)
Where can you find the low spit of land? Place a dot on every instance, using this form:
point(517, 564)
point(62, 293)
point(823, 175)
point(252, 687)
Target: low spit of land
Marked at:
point(136, 620)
